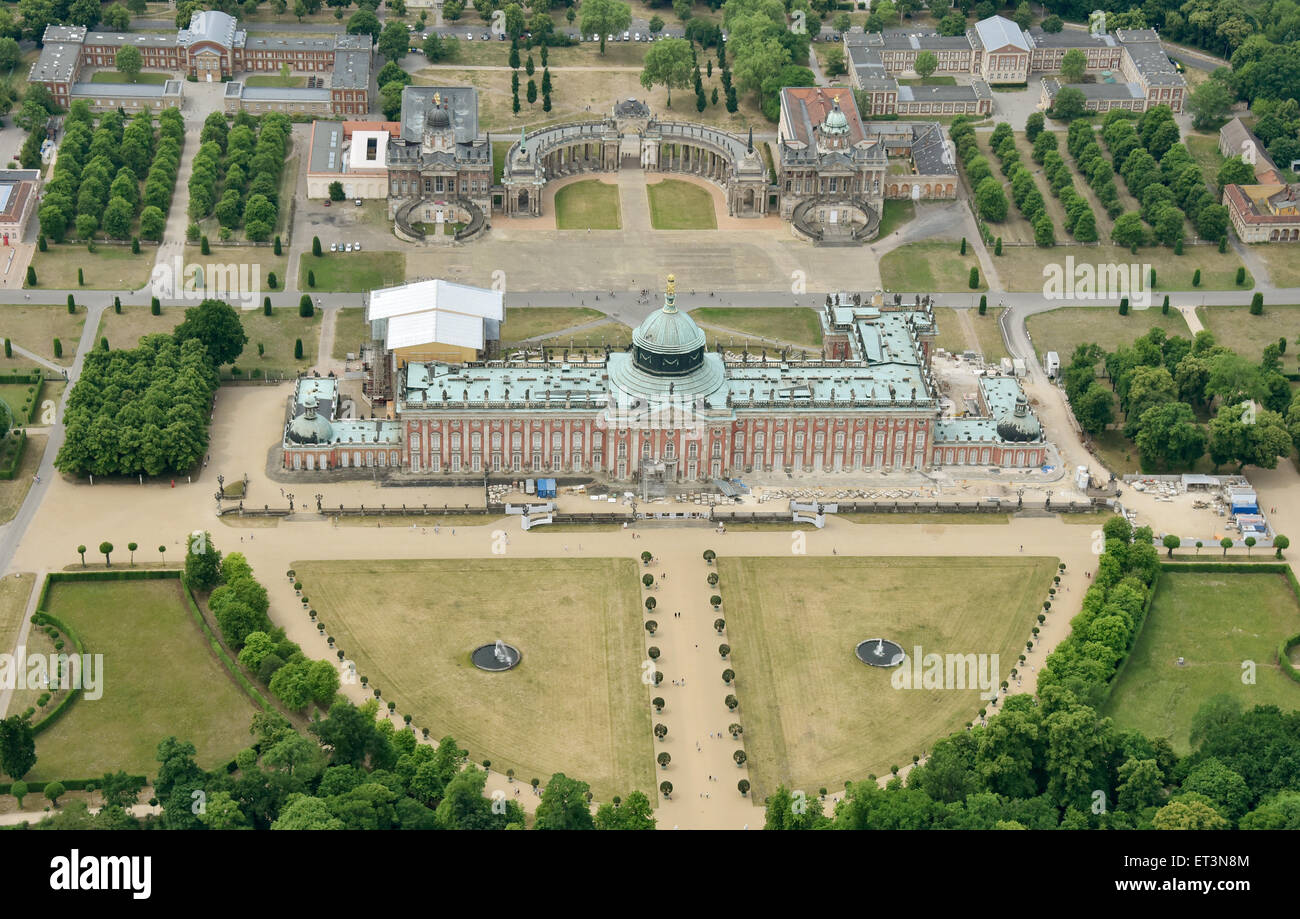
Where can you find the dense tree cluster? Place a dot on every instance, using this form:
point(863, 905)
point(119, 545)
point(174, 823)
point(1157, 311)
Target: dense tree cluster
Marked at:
point(244, 162)
point(1093, 165)
point(990, 199)
point(140, 411)
point(1024, 190)
point(351, 771)
point(1161, 173)
point(96, 185)
point(766, 54)
point(1182, 398)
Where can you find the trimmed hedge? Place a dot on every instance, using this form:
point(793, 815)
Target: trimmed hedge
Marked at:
point(11, 468)
point(35, 788)
point(40, 617)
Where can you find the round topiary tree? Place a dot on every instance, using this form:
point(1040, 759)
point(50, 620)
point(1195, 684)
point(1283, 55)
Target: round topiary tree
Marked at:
point(719, 625)
point(650, 604)
point(715, 600)
point(661, 731)
point(731, 702)
point(723, 651)
point(728, 675)
point(710, 555)
point(743, 787)
point(735, 730)
point(645, 558)
point(647, 580)
point(658, 677)
point(653, 653)
point(739, 757)
point(650, 626)
point(1280, 542)
point(658, 703)
point(712, 579)
point(666, 789)
point(663, 759)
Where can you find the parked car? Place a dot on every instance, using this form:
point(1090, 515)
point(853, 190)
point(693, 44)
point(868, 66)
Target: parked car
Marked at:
point(469, 36)
point(327, 202)
point(356, 247)
point(334, 247)
point(347, 247)
point(486, 36)
point(501, 36)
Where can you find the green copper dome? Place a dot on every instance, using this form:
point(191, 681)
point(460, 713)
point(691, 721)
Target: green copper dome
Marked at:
point(668, 342)
point(836, 123)
point(309, 427)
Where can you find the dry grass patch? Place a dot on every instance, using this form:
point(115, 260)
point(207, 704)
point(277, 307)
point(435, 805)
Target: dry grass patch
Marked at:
point(13, 492)
point(35, 328)
point(575, 704)
point(813, 714)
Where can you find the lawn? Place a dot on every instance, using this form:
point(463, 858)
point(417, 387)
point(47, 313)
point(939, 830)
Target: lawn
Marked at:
point(14, 395)
point(896, 214)
point(113, 76)
point(522, 323)
point(265, 79)
point(589, 204)
point(611, 333)
point(575, 704)
point(240, 273)
point(35, 328)
point(354, 272)
point(814, 715)
point(161, 679)
point(277, 332)
point(1214, 621)
point(930, 267)
point(1022, 267)
point(500, 149)
point(1283, 266)
point(1204, 148)
point(1062, 330)
point(677, 205)
point(1235, 328)
point(795, 326)
point(13, 492)
point(989, 334)
point(107, 268)
point(952, 335)
point(15, 591)
point(350, 330)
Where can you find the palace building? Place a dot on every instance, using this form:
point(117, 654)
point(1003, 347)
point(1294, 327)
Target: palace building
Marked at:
point(211, 49)
point(837, 170)
point(671, 409)
point(439, 164)
point(1129, 67)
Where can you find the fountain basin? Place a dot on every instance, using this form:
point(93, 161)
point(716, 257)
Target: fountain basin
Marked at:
point(880, 652)
point(495, 657)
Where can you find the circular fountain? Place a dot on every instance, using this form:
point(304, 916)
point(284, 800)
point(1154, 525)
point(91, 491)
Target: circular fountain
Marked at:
point(880, 652)
point(495, 657)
